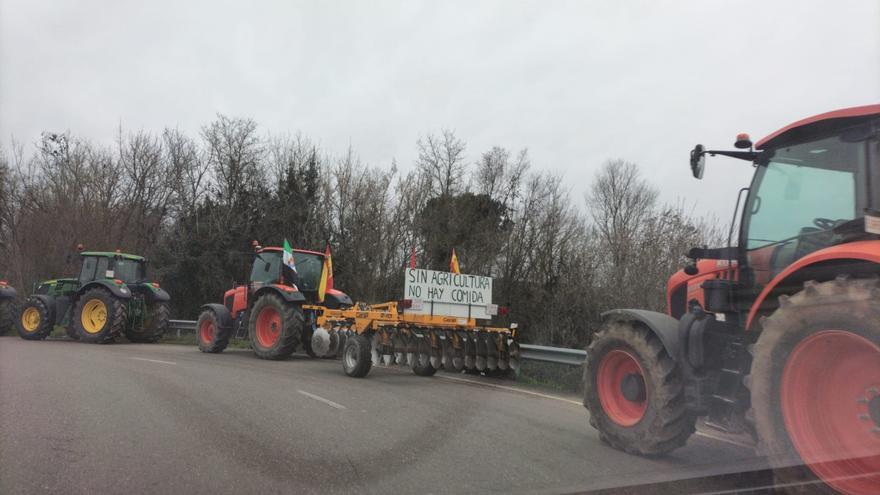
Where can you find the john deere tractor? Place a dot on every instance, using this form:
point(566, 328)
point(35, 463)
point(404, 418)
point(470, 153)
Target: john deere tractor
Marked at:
point(7, 307)
point(111, 297)
point(776, 336)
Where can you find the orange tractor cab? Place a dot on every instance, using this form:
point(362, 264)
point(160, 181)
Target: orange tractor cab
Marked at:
point(275, 309)
point(776, 335)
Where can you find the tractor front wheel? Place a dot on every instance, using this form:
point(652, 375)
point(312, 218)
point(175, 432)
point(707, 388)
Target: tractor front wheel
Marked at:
point(99, 317)
point(635, 391)
point(815, 387)
point(275, 327)
point(212, 337)
point(35, 321)
point(154, 325)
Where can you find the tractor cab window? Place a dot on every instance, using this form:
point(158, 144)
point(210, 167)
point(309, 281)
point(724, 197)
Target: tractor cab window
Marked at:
point(309, 267)
point(87, 272)
point(800, 196)
point(129, 271)
point(267, 267)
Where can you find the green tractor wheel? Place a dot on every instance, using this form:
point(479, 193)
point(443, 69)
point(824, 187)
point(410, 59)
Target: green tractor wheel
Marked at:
point(154, 325)
point(35, 321)
point(8, 313)
point(99, 316)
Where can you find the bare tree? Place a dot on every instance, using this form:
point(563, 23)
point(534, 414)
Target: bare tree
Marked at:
point(441, 158)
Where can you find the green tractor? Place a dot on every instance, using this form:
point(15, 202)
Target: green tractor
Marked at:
point(111, 297)
point(7, 307)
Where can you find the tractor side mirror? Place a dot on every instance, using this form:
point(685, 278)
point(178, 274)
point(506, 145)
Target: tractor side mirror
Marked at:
point(691, 269)
point(698, 161)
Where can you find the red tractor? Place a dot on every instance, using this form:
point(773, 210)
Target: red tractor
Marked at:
point(274, 309)
point(777, 336)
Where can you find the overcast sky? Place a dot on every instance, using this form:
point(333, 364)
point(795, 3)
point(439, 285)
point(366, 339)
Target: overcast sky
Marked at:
point(575, 82)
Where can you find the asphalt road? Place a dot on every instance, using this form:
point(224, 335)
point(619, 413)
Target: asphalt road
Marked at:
point(128, 418)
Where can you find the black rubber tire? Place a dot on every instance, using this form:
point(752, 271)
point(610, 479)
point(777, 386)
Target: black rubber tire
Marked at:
point(220, 338)
point(666, 424)
point(356, 357)
point(154, 325)
point(114, 325)
point(292, 322)
point(47, 320)
point(71, 332)
point(8, 312)
point(426, 370)
point(842, 304)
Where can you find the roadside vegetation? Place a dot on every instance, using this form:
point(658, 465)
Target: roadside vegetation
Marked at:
point(193, 204)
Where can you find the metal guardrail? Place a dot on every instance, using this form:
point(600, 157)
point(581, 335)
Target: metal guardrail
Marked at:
point(545, 354)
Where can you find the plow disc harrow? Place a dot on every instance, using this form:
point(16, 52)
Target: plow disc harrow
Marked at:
point(383, 334)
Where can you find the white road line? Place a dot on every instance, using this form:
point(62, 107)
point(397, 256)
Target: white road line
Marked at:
point(153, 360)
point(511, 389)
point(321, 399)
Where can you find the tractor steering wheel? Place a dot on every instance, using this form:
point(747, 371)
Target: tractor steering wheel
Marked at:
point(826, 223)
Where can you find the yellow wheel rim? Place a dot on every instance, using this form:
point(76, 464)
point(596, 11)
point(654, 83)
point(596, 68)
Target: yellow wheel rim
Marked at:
point(30, 319)
point(94, 315)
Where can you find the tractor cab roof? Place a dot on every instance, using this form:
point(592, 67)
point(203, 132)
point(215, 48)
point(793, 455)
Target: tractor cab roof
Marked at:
point(109, 254)
point(279, 249)
point(819, 124)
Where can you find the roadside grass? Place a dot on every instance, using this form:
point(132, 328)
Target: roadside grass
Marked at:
point(559, 377)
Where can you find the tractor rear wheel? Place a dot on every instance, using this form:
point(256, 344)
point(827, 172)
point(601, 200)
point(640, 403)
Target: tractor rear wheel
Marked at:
point(635, 391)
point(212, 337)
point(99, 316)
point(275, 327)
point(154, 325)
point(7, 315)
point(35, 321)
point(815, 387)
point(357, 357)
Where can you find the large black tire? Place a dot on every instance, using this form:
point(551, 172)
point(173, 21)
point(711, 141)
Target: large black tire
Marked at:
point(38, 317)
point(103, 324)
point(8, 312)
point(154, 325)
point(800, 348)
point(70, 330)
point(356, 357)
point(212, 337)
point(663, 423)
point(271, 337)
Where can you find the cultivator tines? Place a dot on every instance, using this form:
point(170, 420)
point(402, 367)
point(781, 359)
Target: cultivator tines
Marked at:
point(424, 343)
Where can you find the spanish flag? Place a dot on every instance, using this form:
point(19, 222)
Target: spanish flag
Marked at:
point(326, 275)
point(453, 263)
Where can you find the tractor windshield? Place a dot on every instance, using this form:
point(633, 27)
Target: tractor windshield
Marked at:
point(267, 269)
point(803, 193)
point(129, 271)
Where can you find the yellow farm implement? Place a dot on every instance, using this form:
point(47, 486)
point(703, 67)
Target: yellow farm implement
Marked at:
point(368, 335)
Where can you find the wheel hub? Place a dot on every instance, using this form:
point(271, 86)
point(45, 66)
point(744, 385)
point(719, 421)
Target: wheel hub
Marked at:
point(633, 387)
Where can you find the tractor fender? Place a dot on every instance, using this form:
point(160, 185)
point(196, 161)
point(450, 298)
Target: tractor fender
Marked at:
point(155, 293)
point(286, 293)
point(224, 317)
point(7, 292)
point(120, 291)
point(664, 326)
point(811, 266)
point(335, 299)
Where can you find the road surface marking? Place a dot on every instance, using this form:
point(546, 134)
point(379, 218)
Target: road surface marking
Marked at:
point(153, 360)
point(511, 389)
point(321, 399)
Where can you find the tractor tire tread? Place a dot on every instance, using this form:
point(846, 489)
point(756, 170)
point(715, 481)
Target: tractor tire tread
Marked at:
point(669, 423)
